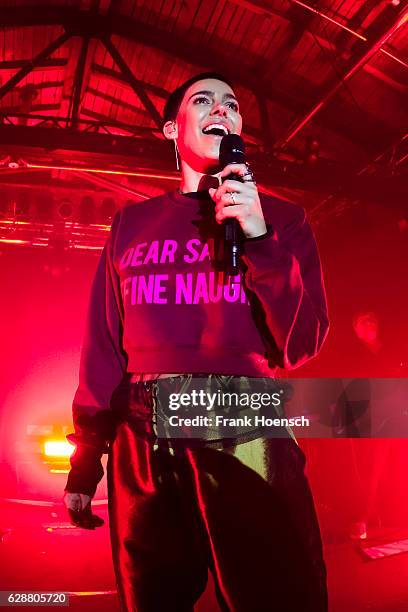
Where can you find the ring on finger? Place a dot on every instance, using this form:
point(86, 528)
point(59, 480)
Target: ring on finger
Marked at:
point(249, 177)
point(232, 195)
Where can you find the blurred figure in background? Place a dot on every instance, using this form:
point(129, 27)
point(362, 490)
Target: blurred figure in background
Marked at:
point(374, 356)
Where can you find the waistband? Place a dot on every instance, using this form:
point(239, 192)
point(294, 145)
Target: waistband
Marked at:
point(150, 412)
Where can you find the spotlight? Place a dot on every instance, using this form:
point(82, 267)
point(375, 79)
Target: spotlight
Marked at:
point(23, 205)
point(312, 150)
point(87, 210)
point(13, 162)
point(65, 209)
point(56, 454)
point(107, 210)
point(58, 448)
point(44, 206)
point(16, 205)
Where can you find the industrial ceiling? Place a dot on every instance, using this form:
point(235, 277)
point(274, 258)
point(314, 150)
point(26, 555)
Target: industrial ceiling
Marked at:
point(323, 89)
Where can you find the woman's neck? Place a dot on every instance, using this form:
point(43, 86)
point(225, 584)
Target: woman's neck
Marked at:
point(192, 180)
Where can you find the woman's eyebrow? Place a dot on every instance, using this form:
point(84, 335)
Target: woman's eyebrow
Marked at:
point(226, 96)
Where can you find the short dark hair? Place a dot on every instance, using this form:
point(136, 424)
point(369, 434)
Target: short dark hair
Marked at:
point(172, 105)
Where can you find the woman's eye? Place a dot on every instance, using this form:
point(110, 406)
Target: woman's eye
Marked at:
point(233, 105)
point(204, 100)
point(201, 99)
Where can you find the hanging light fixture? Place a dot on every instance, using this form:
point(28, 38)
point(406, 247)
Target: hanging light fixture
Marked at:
point(87, 211)
point(65, 209)
point(107, 210)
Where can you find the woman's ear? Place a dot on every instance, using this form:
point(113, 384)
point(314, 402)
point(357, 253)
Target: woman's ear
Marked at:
point(170, 130)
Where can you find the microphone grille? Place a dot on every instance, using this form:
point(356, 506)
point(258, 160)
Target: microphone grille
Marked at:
point(232, 150)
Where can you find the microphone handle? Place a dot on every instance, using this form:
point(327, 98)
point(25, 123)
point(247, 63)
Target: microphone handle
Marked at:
point(232, 235)
point(231, 232)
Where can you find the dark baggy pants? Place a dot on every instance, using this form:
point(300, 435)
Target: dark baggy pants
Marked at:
point(245, 512)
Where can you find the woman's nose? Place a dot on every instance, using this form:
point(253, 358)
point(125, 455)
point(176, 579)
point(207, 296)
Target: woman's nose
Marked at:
point(219, 109)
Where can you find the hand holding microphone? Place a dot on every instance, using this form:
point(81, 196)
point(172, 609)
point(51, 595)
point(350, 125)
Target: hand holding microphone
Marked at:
point(237, 203)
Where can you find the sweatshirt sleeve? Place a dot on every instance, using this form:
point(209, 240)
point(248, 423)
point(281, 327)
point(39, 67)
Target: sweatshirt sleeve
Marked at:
point(103, 360)
point(285, 277)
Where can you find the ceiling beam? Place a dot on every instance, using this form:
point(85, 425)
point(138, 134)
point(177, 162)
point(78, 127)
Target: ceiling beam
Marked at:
point(57, 62)
point(352, 68)
point(47, 85)
point(255, 134)
point(104, 121)
point(30, 64)
point(322, 177)
point(258, 7)
point(117, 77)
point(380, 75)
point(115, 186)
point(298, 23)
point(391, 152)
point(5, 113)
point(11, 110)
point(26, 16)
point(54, 139)
point(118, 102)
point(78, 82)
point(134, 83)
point(84, 22)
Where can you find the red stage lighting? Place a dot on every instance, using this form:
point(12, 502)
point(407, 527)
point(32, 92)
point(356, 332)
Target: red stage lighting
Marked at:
point(58, 449)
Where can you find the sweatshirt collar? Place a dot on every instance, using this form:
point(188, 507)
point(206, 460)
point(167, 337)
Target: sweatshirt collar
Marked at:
point(187, 198)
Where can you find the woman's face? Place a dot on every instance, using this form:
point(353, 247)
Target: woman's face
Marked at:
point(209, 110)
point(366, 327)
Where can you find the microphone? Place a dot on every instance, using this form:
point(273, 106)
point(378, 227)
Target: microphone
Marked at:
point(232, 151)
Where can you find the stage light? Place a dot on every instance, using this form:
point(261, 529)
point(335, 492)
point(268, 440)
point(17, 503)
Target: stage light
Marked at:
point(16, 205)
point(44, 206)
point(142, 174)
point(87, 211)
point(14, 241)
point(107, 210)
point(58, 449)
point(65, 209)
point(13, 163)
point(23, 205)
point(312, 148)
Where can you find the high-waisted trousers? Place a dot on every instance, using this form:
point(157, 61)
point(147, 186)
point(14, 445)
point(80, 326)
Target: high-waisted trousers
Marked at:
point(245, 512)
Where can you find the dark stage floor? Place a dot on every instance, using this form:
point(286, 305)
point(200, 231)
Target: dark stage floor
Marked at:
point(40, 551)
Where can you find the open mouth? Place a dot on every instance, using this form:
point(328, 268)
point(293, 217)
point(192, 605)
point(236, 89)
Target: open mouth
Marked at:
point(215, 129)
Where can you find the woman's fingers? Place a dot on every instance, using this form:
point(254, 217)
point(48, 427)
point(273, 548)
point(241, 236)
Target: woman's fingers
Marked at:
point(76, 501)
point(240, 169)
point(80, 511)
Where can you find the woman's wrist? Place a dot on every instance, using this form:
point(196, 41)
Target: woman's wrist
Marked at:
point(86, 470)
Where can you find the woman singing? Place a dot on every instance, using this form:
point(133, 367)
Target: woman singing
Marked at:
point(164, 312)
